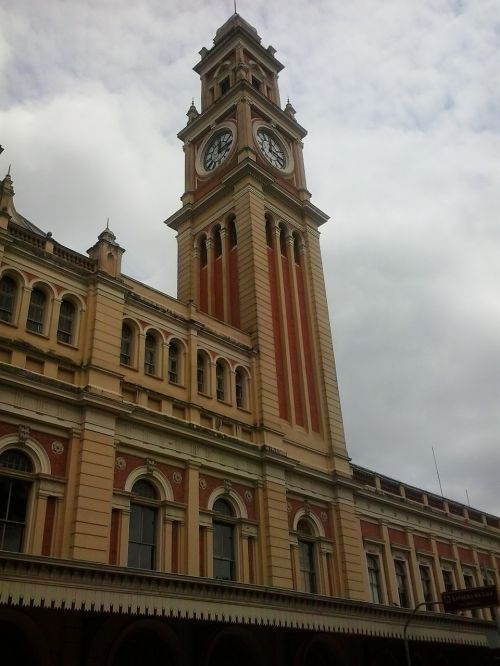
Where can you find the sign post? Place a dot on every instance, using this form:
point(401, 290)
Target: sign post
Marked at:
point(471, 597)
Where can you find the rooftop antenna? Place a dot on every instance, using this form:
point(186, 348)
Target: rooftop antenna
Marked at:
point(437, 472)
point(467, 495)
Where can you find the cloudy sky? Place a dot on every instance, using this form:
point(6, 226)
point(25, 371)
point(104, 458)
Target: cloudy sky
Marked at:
point(402, 103)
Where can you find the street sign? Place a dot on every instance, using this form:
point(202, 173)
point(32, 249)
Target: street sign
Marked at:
point(472, 597)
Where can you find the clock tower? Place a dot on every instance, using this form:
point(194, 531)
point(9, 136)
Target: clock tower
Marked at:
point(248, 244)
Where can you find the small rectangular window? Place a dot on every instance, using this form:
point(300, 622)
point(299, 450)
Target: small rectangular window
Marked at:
point(256, 83)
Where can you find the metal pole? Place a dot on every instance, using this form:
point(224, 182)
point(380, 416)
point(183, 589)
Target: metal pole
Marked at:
point(407, 624)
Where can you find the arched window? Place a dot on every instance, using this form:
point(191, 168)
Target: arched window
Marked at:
point(36, 311)
point(8, 288)
point(240, 379)
point(142, 528)
point(223, 540)
point(221, 381)
point(306, 556)
point(173, 363)
point(126, 345)
point(14, 493)
point(150, 348)
point(66, 322)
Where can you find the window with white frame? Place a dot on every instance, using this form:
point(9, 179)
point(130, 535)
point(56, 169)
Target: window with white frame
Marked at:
point(374, 581)
point(66, 323)
point(142, 527)
point(223, 540)
point(8, 291)
point(15, 485)
point(37, 311)
point(402, 582)
point(426, 581)
point(306, 556)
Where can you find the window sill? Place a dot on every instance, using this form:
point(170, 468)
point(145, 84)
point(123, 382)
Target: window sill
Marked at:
point(205, 395)
point(129, 367)
point(70, 345)
point(153, 376)
point(40, 335)
point(12, 324)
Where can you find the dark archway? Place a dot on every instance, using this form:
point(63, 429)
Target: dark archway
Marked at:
point(322, 650)
point(234, 646)
point(148, 642)
point(22, 640)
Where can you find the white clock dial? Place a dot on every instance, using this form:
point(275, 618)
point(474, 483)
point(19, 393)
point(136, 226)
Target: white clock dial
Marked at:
point(217, 149)
point(271, 148)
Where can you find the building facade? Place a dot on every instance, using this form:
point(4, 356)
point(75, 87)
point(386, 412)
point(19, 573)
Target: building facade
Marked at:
point(174, 481)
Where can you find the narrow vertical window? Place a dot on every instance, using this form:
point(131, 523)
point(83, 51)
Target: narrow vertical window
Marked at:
point(217, 243)
point(306, 557)
point(240, 387)
point(14, 493)
point(233, 239)
point(448, 580)
point(142, 529)
point(36, 311)
point(220, 380)
point(8, 289)
point(201, 372)
point(374, 579)
point(223, 541)
point(126, 345)
point(425, 578)
point(402, 583)
point(150, 354)
point(224, 86)
point(173, 363)
point(203, 252)
point(66, 321)
point(269, 233)
point(282, 240)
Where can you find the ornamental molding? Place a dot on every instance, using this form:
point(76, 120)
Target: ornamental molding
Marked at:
point(57, 447)
point(36, 582)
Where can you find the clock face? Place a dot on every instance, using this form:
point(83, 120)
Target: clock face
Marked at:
point(271, 148)
point(217, 149)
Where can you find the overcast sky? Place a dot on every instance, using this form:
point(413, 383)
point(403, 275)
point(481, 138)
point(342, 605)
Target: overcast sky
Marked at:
point(402, 103)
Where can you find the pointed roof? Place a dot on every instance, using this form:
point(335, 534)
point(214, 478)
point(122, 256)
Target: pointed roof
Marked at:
point(236, 25)
point(233, 22)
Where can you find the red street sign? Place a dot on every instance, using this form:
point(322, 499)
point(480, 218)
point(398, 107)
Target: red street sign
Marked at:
point(472, 597)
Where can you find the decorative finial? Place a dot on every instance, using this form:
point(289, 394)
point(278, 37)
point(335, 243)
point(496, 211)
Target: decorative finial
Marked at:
point(192, 113)
point(8, 172)
point(235, 7)
point(289, 109)
point(107, 224)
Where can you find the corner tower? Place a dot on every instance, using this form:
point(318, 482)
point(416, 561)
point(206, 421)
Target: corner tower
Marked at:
point(248, 243)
